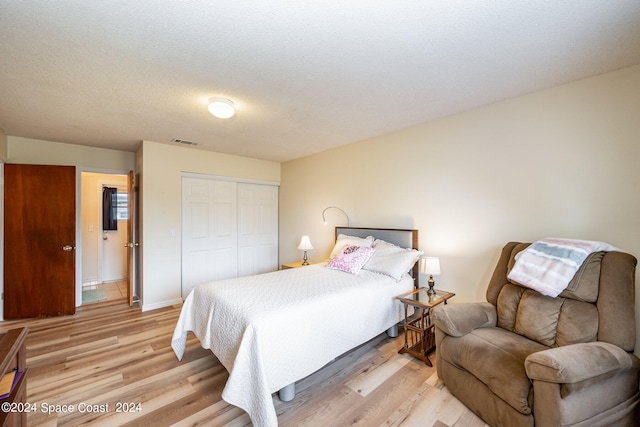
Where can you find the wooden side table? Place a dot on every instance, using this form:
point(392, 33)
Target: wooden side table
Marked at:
point(419, 333)
point(292, 265)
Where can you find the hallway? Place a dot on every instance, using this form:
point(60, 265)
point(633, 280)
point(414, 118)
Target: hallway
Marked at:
point(107, 291)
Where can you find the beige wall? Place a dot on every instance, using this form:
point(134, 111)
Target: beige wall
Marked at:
point(3, 146)
point(39, 152)
point(161, 188)
point(562, 162)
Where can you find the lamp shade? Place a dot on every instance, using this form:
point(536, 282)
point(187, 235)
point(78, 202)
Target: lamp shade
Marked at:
point(222, 108)
point(430, 265)
point(305, 244)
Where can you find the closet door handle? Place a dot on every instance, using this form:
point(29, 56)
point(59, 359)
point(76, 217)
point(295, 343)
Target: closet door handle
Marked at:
point(68, 248)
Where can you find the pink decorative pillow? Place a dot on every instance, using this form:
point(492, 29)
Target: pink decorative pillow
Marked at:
point(351, 258)
point(344, 240)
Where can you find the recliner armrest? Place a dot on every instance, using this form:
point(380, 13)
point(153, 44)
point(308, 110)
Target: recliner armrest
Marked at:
point(578, 362)
point(460, 319)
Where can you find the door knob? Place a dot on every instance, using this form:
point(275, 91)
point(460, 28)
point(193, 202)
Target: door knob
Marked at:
point(131, 245)
point(68, 248)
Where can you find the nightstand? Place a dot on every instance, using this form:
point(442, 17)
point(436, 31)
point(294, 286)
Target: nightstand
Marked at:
point(292, 265)
point(419, 334)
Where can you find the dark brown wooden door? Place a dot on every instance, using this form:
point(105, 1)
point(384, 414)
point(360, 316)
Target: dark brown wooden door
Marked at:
point(39, 242)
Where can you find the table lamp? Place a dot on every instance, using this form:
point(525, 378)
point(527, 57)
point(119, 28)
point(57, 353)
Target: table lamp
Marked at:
point(431, 266)
point(305, 245)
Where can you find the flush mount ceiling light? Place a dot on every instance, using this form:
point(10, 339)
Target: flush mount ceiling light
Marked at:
point(222, 108)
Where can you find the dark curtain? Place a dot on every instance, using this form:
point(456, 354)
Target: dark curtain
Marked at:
point(109, 202)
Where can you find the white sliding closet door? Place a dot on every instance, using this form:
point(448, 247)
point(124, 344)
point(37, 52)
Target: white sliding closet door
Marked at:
point(229, 229)
point(209, 231)
point(257, 229)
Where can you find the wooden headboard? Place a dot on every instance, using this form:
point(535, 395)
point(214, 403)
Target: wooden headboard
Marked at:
point(404, 238)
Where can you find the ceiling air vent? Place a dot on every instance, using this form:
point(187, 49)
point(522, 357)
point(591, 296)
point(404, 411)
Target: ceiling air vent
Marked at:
point(184, 142)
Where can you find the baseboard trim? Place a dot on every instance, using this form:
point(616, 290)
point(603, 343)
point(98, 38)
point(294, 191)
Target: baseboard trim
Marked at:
point(161, 304)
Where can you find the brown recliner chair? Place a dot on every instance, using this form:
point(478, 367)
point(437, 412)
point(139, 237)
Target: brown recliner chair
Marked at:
point(525, 359)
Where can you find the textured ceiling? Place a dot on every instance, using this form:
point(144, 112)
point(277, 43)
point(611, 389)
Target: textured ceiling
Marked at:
point(305, 76)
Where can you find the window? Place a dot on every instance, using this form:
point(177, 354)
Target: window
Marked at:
point(122, 201)
point(114, 207)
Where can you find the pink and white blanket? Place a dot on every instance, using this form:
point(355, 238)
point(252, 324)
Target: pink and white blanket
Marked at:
point(548, 265)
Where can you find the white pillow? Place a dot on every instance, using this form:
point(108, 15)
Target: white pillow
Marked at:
point(344, 240)
point(351, 258)
point(391, 260)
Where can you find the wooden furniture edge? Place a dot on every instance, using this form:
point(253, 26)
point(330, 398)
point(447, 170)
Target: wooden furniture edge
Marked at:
point(13, 349)
point(10, 345)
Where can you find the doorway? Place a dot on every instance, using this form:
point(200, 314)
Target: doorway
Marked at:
point(104, 254)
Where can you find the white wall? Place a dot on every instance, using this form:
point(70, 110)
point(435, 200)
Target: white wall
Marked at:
point(161, 186)
point(560, 162)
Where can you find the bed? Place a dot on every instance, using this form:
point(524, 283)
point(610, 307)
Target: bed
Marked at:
point(271, 330)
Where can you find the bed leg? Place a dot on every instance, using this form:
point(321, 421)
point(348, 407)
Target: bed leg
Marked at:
point(287, 393)
point(393, 331)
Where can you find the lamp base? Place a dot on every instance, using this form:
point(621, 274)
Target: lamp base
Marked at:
point(305, 260)
point(431, 283)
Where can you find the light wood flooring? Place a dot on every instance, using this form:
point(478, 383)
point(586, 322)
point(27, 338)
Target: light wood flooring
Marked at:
point(108, 353)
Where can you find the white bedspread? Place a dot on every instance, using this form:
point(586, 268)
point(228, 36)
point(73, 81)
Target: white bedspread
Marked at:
point(273, 329)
